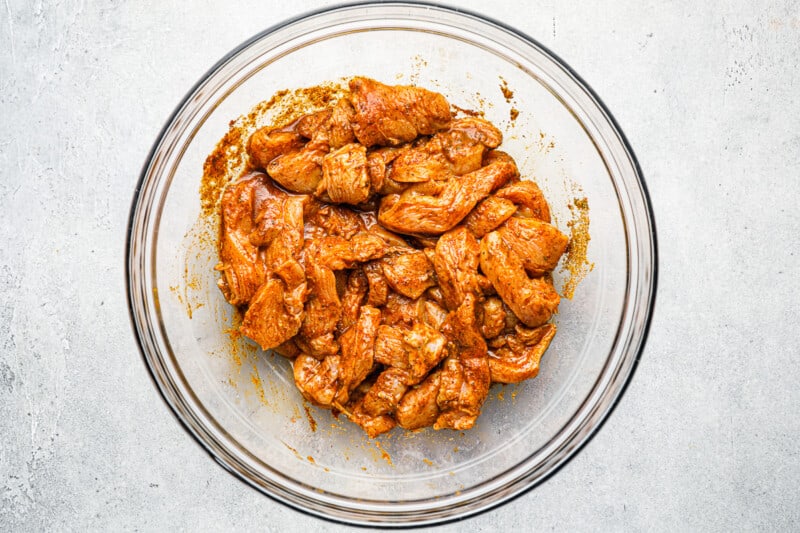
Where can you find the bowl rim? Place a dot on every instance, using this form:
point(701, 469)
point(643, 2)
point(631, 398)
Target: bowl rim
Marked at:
point(647, 311)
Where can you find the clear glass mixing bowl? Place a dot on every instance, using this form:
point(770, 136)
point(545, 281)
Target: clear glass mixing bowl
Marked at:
point(242, 405)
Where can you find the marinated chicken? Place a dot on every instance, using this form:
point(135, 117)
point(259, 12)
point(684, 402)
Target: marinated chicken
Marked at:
point(393, 253)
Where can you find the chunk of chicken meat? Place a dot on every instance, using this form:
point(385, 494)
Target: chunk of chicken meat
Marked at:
point(455, 151)
point(318, 381)
point(344, 176)
point(390, 115)
point(377, 167)
point(539, 244)
point(410, 355)
point(329, 126)
point(489, 214)
point(529, 199)
point(465, 373)
point(241, 262)
point(265, 144)
point(353, 298)
point(333, 220)
point(409, 273)
point(276, 310)
point(434, 207)
point(533, 300)
point(355, 411)
point(358, 348)
point(517, 359)
point(456, 262)
point(299, 170)
point(419, 407)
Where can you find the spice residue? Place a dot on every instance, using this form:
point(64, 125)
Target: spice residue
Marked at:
point(577, 263)
point(508, 94)
point(311, 422)
point(384, 455)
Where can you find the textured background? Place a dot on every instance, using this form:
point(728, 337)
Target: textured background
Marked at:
point(706, 436)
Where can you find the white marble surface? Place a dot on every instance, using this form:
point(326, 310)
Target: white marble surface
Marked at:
point(706, 437)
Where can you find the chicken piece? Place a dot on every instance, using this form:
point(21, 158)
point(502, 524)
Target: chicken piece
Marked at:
point(492, 317)
point(269, 203)
point(333, 220)
point(489, 214)
point(518, 359)
point(241, 263)
point(409, 274)
point(353, 298)
point(344, 176)
point(358, 349)
point(299, 170)
point(400, 311)
point(533, 300)
point(265, 144)
point(456, 263)
point(337, 253)
point(355, 411)
point(318, 381)
point(423, 162)
point(432, 314)
point(377, 168)
point(384, 396)
point(419, 408)
point(409, 360)
point(330, 126)
point(528, 196)
point(323, 308)
point(465, 373)
point(391, 115)
point(267, 320)
point(288, 349)
point(378, 287)
point(434, 207)
point(478, 130)
point(283, 253)
point(539, 244)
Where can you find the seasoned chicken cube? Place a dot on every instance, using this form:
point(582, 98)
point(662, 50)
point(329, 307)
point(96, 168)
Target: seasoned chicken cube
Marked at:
point(533, 300)
point(519, 356)
point(265, 144)
point(337, 253)
point(465, 373)
point(539, 244)
point(377, 168)
point(333, 220)
point(353, 298)
point(432, 208)
point(356, 412)
point(299, 170)
point(489, 214)
point(492, 317)
point(267, 320)
point(390, 115)
point(241, 262)
point(329, 126)
point(358, 350)
point(456, 263)
point(318, 381)
point(409, 273)
point(344, 176)
point(419, 407)
point(378, 287)
point(384, 396)
point(529, 199)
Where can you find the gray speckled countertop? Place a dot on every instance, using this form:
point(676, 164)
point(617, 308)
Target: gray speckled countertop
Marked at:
point(706, 437)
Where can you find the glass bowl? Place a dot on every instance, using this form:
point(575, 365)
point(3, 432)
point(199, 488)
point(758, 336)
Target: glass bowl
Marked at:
point(241, 404)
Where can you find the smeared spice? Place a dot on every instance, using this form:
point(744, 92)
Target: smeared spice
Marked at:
point(428, 462)
point(259, 386)
point(311, 422)
point(385, 456)
point(508, 94)
point(576, 263)
point(311, 460)
point(513, 114)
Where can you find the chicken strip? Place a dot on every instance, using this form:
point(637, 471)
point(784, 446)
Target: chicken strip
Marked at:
point(419, 408)
point(265, 144)
point(299, 170)
point(353, 298)
point(529, 199)
point(456, 263)
point(344, 176)
point(518, 359)
point(533, 300)
point(409, 273)
point(434, 207)
point(268, 321)
point(539, 244)
point(241, 263)
point(465, 373)
point(378, 287)
point(489, 214)
point(358, 349)
point(391, 115)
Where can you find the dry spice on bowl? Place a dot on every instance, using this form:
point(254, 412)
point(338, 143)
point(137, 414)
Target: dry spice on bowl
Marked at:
point(394, 254)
